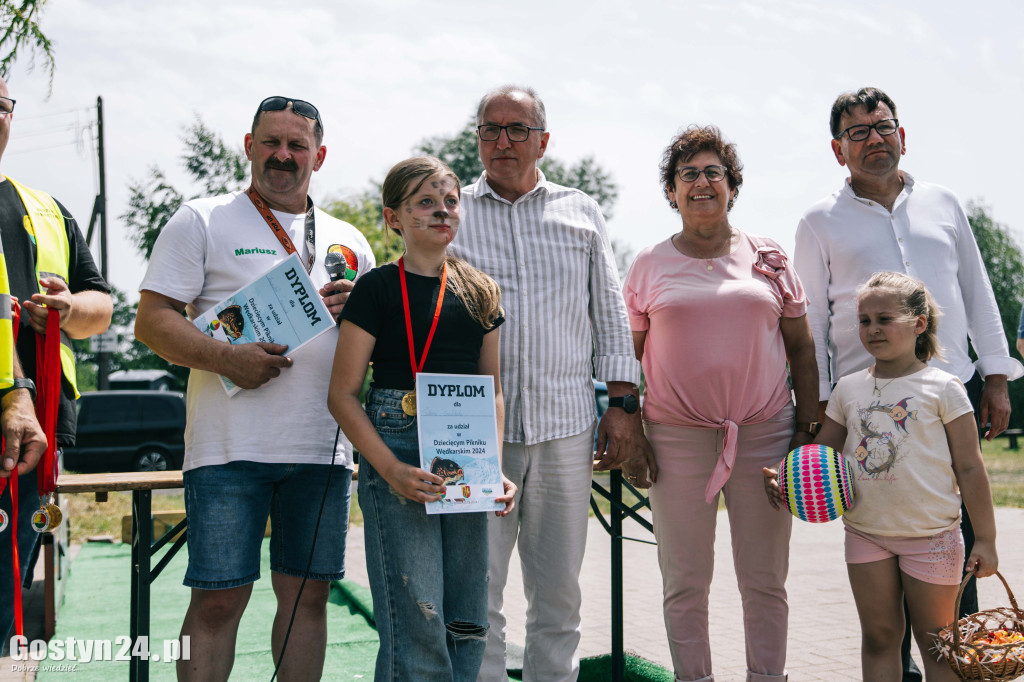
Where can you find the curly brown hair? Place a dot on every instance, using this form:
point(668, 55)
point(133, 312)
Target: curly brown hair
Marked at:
point(692, 141)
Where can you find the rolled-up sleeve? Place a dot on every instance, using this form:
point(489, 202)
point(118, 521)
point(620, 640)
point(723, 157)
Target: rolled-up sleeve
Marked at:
point(984, 322)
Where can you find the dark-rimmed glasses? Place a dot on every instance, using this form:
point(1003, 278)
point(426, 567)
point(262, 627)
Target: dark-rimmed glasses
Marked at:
point(300, 107)
point(515, 132)
point(6, 105)
point(713, 173)
point(859, 133)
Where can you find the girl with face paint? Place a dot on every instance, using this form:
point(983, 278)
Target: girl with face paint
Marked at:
point(429, 312)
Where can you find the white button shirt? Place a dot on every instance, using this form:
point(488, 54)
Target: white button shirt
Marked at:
point(844, 239)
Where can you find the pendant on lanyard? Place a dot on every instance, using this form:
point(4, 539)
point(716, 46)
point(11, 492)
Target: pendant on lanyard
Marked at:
point(409, 399)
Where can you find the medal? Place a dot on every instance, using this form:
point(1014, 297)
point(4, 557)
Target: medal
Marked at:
point(47, 518)
point(409, 399)
point(4, 520)
point(409, 403)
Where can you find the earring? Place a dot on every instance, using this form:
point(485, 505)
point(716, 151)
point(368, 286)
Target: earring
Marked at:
point(673, 205)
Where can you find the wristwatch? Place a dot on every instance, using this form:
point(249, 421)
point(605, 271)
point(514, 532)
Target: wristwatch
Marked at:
point(22, 382)
point(808, 427)
point(627, 402)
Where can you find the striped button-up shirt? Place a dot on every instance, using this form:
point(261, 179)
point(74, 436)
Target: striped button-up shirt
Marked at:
point(565, 319)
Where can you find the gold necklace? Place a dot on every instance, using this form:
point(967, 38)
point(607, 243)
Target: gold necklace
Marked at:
point(712, 253)
point(878, 391)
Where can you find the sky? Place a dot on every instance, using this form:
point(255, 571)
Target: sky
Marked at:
point(618, 82)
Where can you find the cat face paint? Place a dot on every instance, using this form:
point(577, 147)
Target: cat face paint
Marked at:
point(430, 217)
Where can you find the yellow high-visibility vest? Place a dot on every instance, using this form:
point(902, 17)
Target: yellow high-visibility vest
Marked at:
point(44, 223)
point(6, 330)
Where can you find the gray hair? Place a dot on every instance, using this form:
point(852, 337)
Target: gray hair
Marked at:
point(511, 90)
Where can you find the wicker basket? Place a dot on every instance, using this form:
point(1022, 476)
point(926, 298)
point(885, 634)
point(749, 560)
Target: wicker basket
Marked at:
point(983, 662)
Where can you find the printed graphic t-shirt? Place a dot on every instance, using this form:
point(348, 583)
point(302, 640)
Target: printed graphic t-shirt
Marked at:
point(210, 249)
point(896, 443)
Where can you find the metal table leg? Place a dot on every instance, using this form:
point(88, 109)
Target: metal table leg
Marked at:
point(142, 545)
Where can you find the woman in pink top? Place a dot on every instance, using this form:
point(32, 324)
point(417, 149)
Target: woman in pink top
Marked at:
point(716, 314)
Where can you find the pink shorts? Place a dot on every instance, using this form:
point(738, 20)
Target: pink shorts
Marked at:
point(936, 559)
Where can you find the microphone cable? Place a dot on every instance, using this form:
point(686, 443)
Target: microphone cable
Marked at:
point(309, 562)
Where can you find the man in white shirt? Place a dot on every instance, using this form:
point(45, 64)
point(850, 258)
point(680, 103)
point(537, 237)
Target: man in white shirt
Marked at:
point(271, 449)
point(882, 219)
point(547, 247)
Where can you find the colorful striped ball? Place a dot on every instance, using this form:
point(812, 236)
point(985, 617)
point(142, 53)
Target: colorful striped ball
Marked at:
point(816, 483)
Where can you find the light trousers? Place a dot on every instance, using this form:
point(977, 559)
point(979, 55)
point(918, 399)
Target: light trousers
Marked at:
point(684, 526)
point(549, 523)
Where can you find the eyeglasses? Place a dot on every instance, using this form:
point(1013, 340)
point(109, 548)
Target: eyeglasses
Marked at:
point(6, 105)
point(515, 132)
point(300, 107)
point(713, 173)
point(859, 133)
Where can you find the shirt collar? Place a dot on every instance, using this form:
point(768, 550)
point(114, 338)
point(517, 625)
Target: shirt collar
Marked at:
point(483, 189)
point(908, 187)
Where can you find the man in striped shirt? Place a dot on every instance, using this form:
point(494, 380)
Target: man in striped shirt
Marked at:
point(547, 247)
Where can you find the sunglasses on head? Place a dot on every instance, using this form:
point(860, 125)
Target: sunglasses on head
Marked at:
point(300, 107)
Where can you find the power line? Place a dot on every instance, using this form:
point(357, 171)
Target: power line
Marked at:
point(49, 131)
point(15, 152)
point(80, 110)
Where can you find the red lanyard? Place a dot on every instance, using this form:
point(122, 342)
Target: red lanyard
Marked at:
point(418, 367)
point(48, 374)
point(12, 528)
point(280, 232)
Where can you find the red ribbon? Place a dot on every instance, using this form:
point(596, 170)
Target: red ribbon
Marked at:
point(48, 374)
point(19, 625)
point(417, 367)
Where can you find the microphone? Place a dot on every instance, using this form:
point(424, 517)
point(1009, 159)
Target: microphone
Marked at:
point(336, 266)
point(341, 263)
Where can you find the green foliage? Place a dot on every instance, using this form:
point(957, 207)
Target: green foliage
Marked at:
point(211, 164)
point(151, 203)
point(19, 29)
point(459, 152)
point(1005, 264)
point(586, 176)
point(363, 211)
point(132, 354)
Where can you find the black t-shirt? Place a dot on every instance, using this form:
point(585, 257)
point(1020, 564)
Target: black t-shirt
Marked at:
point(20, 254)
point(375, 305)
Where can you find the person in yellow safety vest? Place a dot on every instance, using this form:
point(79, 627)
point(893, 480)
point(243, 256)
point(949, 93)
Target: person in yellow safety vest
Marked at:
point(23, 437)
point(49, 267)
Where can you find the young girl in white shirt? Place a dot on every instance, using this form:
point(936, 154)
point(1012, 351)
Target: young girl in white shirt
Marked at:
point(909, 432)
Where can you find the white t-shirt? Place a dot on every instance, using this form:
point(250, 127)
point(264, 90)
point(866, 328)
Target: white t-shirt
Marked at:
point(896, 443)
point(208, 250)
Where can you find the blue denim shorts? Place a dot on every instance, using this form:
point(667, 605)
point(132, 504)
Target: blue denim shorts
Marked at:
point(227, 507)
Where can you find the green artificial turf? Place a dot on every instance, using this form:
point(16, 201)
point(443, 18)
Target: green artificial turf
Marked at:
point(96, 601)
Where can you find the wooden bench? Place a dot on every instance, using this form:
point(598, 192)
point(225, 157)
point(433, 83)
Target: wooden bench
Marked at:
point(1013, 435)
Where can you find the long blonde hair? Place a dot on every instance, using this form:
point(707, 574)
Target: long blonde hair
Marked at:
point(914, 299)
point(478, 292)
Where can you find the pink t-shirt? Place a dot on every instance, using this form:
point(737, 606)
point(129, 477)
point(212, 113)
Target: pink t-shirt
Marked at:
point(714, 351)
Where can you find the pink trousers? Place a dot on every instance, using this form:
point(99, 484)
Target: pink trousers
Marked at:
point(684, 526)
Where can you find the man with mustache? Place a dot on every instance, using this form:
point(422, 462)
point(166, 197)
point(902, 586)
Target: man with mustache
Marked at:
point(264, 449)
point(883, 219)
point(547, 247)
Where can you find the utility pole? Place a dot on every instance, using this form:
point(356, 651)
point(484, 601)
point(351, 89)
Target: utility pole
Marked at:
point(99, 210)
